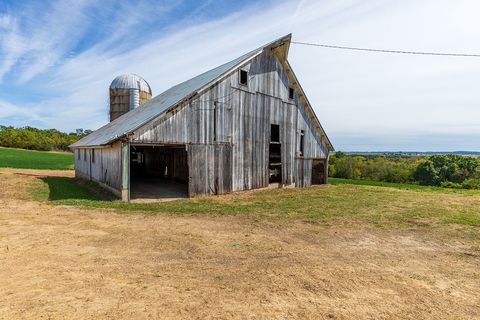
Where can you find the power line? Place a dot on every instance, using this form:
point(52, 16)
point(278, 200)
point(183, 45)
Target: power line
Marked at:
point(388, 51)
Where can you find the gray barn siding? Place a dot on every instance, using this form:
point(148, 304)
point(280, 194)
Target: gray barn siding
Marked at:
point(314, 147)
point(82, 162)
point(243, 118)
point(213, 176)
point(304, 172)
point(107, 166)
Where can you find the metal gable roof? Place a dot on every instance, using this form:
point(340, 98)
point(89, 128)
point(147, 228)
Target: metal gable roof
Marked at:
point(134, 119)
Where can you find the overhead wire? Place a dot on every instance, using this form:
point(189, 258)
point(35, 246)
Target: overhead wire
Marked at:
point(448, 54)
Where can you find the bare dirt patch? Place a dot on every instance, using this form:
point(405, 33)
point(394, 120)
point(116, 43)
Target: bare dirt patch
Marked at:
point(37, 173)
point(62, 262)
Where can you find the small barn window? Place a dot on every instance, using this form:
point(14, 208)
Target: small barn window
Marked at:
point(78, 154)
point(93, 155)
point(274, 133)
point(244, 77)
point(291, 93)
point(301, 143)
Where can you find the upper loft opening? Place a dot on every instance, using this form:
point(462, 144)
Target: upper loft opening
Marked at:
point(291, 93)
point(274, 133)
point(243, 77)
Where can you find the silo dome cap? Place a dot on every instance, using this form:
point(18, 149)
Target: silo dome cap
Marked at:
point(130, 81)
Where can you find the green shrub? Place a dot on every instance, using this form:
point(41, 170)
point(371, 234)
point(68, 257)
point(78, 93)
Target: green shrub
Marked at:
point(471, 183)
point(348, 168)
point(450, 184)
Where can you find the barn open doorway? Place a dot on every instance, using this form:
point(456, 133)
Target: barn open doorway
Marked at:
point(319, 172)
point(158, 172)
point(275, 156)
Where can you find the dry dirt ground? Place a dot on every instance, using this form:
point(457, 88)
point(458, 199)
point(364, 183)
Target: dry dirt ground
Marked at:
point(69, 263)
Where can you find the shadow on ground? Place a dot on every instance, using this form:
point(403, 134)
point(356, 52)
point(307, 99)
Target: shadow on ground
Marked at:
point(66, 188)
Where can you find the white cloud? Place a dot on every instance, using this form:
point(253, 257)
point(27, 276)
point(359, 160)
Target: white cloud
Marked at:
point(11, 110)
point(44, 40)
point(375, 97)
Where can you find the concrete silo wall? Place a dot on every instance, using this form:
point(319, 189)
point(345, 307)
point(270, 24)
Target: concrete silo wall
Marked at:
point(124, 100)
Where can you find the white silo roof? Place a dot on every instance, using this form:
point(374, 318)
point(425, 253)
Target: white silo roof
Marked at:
point(130, 81)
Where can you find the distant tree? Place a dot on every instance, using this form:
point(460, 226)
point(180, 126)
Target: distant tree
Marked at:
point(427, 174)
point(348, 168)
point(37, 139)
point(439, 169)
point(340, 154)
point(82, 133)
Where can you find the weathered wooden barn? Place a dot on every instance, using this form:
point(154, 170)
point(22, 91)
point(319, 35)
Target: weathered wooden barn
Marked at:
point(246, 124)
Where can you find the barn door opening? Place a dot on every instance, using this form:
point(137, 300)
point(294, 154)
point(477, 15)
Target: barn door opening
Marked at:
point(275, 156)
point(158, 172)
point(319, 173)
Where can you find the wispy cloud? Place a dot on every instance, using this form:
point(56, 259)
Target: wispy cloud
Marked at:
point(40, 41)
point(47, 35)
point(8, 110)
point(11, 43)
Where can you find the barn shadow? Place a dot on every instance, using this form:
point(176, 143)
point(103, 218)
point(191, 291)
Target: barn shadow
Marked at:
point(67, 188)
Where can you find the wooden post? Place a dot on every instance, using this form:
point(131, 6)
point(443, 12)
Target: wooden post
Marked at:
point(188, 149)
point(125, 152)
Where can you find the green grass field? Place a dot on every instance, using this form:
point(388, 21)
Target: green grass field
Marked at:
point(380, 203)
point(28, 159)
point(391, 206)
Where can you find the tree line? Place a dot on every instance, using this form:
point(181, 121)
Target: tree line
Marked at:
point(38, 139)
point(453, 171)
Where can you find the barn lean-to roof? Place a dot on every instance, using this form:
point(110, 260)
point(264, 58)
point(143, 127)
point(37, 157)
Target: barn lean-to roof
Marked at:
point(171, 98)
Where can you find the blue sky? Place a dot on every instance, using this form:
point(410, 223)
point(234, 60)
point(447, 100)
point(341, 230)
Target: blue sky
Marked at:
point(57, 59)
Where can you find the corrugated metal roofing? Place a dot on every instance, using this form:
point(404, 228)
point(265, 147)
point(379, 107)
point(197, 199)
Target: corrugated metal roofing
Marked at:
point(130, 81)
point(134, 119)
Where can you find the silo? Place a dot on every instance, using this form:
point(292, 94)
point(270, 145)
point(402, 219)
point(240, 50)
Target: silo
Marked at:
point(127, 92)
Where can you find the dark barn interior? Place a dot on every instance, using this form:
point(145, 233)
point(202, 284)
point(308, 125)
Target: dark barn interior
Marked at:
point(275, 156)
point(318, 172)
point(158, 172)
